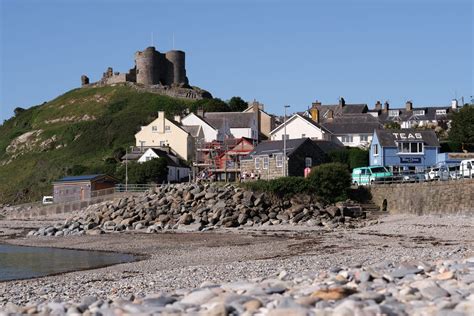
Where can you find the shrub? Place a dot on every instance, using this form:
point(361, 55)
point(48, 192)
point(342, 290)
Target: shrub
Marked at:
point(330, 181)
point(282, 187)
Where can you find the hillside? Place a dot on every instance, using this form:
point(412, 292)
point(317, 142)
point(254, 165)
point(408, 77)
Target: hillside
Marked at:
point(81, 128)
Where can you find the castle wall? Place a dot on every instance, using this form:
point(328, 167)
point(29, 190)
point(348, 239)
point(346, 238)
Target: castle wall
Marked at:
point(146, 63)
point(176, 67)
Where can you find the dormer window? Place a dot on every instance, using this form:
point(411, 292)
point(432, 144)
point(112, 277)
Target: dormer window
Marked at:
point(393, 113)
point(419, 112)
point(441, 112)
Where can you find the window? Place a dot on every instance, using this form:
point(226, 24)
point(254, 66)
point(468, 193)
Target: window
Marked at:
point(257, 163)
point(393, 113)
point(265, 162)
point(283, 136)
point(303, 135)
point(419, 112)
point(308, 162)
point(346, 139)
point(375, 149)
point(441, 112)
point(148, 158)
point(410, 148)
point(154, 128)
point(279, 160)
point(364, 138)
point(167, 128)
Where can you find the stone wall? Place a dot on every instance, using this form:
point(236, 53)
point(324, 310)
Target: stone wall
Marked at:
point(438, 197)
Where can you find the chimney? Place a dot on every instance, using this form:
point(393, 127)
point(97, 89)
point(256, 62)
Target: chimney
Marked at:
point(177, 119)
point(314, 114)
point(409, 106)
point(454, 104)
point(378, 106)
point(342, 102)
point(161, 122)
point(200, 112)
point(386, 106)
point(330, 115)
point(316, 104)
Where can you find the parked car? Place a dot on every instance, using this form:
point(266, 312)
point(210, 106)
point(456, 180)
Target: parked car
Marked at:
point(48, 200)
point(454, 172)
point(370, 175)
point(466, 168)
point(438, 173)
point(411, 176)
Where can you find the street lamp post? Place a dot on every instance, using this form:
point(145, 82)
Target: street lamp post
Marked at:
point(285, 171)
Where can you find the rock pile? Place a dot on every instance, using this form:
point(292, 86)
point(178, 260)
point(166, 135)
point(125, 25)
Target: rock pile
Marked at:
point(198, 207)
point(445, 287)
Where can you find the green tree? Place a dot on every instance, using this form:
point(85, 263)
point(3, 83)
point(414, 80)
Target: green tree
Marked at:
point(331, 181)
point(236, 104)
point(462, 127)
point(153, 171)
point(210, 105)
point(392, 125)
point(358, 158)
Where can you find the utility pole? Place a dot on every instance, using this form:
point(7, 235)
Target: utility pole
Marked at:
point(126, 169)
point(285, 172)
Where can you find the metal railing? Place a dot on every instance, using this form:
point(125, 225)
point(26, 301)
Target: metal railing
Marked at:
point(120, 188)
point(429, 175)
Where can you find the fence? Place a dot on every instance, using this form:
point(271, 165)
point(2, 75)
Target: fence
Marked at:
point(119, 188)
point(443, 173)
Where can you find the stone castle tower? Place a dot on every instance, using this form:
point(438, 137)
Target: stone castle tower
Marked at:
point(151, 68)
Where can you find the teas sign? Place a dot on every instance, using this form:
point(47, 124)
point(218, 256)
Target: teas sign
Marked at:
point(407, 136)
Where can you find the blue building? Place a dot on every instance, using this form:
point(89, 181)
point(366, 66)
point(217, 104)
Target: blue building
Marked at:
point(404, 149)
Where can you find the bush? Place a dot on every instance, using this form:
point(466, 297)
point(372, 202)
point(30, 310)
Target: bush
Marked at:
point(330, 181)
point(153, 171)
point(351, 157)
point(281, 187)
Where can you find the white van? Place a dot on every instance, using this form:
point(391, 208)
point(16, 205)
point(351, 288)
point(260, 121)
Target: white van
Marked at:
point(466, 168)
point(48, 200)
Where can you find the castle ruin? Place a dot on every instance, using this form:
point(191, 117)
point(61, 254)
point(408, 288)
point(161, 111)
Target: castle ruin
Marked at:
point(163, 73)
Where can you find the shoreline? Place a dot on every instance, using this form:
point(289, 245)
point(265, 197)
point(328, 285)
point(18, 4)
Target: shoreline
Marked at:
point(177, 260)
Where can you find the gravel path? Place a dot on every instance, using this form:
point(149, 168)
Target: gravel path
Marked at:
point(174, 261)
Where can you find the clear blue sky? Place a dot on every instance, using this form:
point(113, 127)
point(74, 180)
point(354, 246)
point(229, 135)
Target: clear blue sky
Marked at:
point(279, 52)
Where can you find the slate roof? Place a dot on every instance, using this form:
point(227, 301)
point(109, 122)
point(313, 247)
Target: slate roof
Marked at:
point(276, 146)
point(233, 119)
point(89, 177)
point(193, 130)
point(404, 115)
point(327, 146)
point(171, 159)
point(353, 124)
point(387, 139)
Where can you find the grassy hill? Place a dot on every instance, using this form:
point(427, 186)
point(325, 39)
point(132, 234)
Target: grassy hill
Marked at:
point(82, 128)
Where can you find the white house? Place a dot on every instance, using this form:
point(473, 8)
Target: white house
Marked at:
point(165, 132)
point(177, 171)
point(219, 125)
point(299, 126)
point(210, 132)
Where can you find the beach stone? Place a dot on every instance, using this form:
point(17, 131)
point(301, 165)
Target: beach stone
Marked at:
point(198, 297)
point(433, 292)
point(252, 305)
point(287, 312)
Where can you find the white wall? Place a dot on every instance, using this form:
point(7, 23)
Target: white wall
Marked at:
point(243, 132)
point(297, 127)
point(210, 133)
point(148, 155)
point(356, 140)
